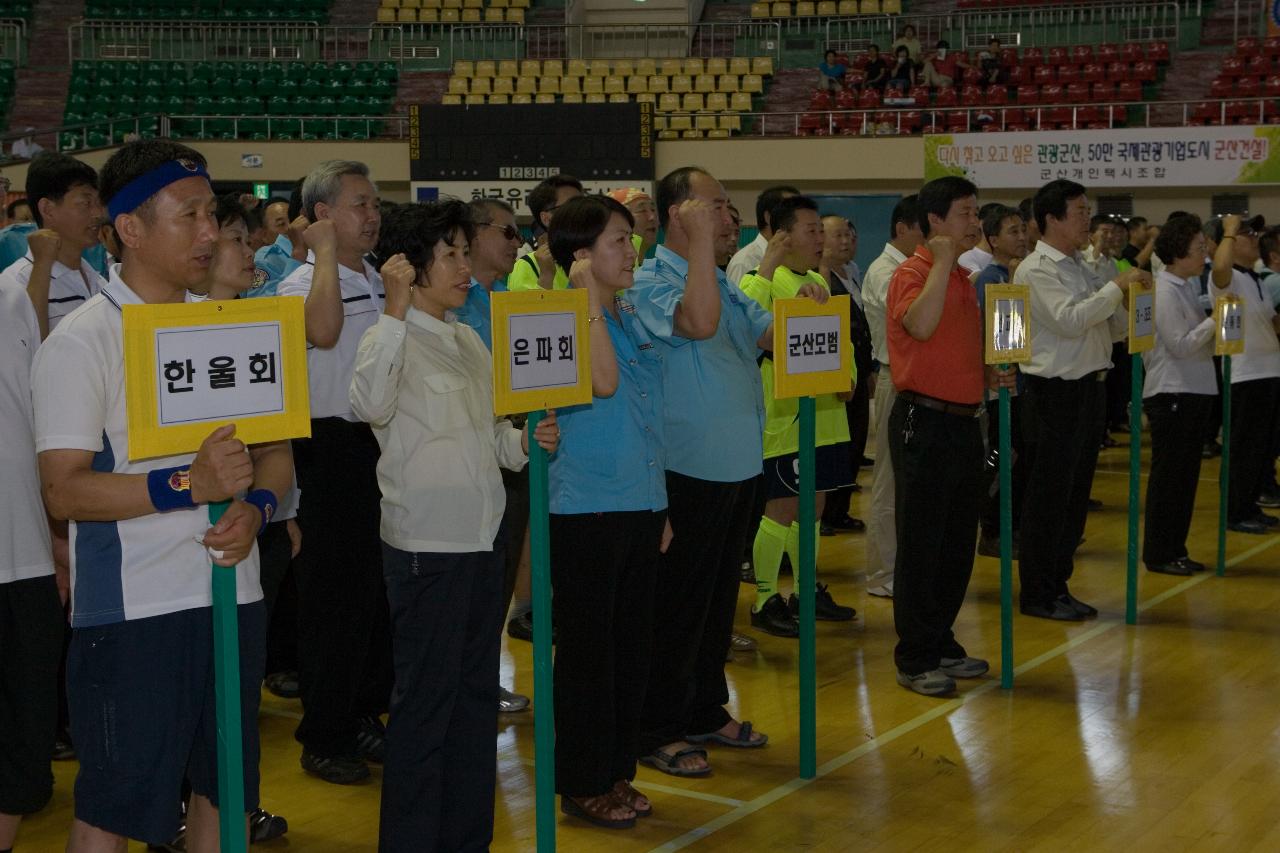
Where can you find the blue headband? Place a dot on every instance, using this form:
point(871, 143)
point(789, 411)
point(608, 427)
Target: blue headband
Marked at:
point(133, 194)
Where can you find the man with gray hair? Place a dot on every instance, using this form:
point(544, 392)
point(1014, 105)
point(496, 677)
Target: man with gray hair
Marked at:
point(344, 643)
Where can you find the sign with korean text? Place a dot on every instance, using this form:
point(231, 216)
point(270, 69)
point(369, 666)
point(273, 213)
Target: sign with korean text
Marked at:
point(1137, 157)
point(513, 191)
point(1142, 317)
point(1007, 324)
point(1228, 326)
point(192, 367)
point(541, 357)
point(811, 350)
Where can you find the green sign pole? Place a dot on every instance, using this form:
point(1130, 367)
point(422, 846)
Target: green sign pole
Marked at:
point(1135, 489)
point(1006, 541)
point(806, 588)
point(544, 721)
point(1224, 473)
point(226, 686)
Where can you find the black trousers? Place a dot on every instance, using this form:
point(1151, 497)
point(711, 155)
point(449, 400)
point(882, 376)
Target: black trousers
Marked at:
point(937, 468)
point(280, 595)
point(858, 412)
point(31, 637)
point(1253, 415)
point(1119, 392)
point(603, 568)
point(1060, 420)
point(344, 641)
point(515, 521)
point(991, 504)
point(442, 757)
point(1177, 437)
point(693, 616)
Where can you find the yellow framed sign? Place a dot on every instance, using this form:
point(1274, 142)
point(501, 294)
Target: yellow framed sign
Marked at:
point(195, 366)
point(541, 357)
point(812, 354)
point(1142, 316)
point(1007, 324)
point(1228, 325)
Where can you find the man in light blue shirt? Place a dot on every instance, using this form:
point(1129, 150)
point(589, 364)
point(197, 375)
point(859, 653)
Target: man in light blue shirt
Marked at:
point(280, 258)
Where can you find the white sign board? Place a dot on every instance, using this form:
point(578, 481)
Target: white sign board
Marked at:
point(219, 373)
point(543, 350)
point(813, 344)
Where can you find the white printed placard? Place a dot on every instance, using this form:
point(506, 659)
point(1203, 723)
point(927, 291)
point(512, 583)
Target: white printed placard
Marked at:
point(1228, 322)
point(1008, 328)
point(541, 358)
point(813, 344)
point(544, 352)
point(219, 373)
point(1142, 317)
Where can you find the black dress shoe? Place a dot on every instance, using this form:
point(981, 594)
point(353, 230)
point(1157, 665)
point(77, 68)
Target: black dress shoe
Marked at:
point(848, 524)
point(1210, 450)
point(1085, 610)
point(1094, 505)
point(1268, 520)
point(1056, 609)
point(1173, 567)
point(866, 463)
point(1249, 525)
point(775, 618)
point(1193, 565)
point(824, 607)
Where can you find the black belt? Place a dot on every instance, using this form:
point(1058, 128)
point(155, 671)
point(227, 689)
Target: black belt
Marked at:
point(940, 405)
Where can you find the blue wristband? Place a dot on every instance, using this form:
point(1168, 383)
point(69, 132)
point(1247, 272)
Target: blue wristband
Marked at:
point(265, 501)
point(170, 488)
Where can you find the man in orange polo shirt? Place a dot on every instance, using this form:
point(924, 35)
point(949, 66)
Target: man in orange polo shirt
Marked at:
point(934, 331)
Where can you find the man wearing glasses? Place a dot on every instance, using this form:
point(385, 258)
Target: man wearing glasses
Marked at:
point(537, 269)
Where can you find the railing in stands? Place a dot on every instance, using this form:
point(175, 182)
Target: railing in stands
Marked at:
point(1018, 27)
point(1247, 21)
point(203, 41)
point(579, 41)
point(13, 40)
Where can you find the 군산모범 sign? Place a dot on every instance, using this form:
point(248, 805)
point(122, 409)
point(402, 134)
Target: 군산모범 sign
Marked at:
point(1008, 324)
point(192, 367)
point(1228, 326)
point(540, 350)
point(1142, 317)
point(811, 351)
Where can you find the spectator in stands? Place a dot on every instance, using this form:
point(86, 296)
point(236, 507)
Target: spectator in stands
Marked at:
point(831, 73)
point(423, 381)
point(1255, 374)
point(749, 256)
point(1006, 234)
point(942, 69)
point(989, 63)
point(876, 69)
point(1178, 396)
point(910, 42)
point(27, 148)
point(538, 269)
point(882, 541)
point(19, 211)
point(343, 628)
point(1077, 317)
point(54, 273)
point(903, 75)
point(1141, 244)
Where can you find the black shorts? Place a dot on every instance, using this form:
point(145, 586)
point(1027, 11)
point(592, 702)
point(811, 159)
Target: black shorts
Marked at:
point(143, 717)
point(831, 468)
point(31, 631)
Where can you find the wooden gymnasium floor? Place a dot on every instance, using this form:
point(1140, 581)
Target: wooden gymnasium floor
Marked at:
point(1163, 736)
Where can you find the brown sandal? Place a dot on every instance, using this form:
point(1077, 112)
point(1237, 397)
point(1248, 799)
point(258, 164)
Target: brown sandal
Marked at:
point(630, 797)
point(596, 810)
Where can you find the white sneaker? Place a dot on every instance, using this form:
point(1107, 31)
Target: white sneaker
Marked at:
point(965, 667)
point(932, 683)
point(883, 591)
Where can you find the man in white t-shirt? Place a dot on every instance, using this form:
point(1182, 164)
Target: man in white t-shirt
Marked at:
point(749, 256)
point(140, 667)
point(344, 641)
point(31, 623)
point(1255, 375)
point(63, 193)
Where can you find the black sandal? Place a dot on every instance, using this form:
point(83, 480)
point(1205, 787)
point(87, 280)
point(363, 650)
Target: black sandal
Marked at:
point(667, 762)
point(742, 741)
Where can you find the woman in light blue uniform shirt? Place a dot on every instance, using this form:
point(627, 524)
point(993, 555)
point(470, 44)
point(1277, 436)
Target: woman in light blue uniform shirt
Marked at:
point(608, 505)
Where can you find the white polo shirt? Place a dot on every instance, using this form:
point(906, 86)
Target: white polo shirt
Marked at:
point(1261, 357)
point(136, 567)
point(24, 533)
point(746, 259)
point(68, 288)
point(1182, 360)
point(330, 370)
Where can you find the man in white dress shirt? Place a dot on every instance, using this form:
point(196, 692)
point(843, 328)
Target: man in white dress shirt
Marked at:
point(750, 255)
point(1076, 317)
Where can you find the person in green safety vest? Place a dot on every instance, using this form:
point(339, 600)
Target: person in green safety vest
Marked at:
point(537, 269)
point(788, 270)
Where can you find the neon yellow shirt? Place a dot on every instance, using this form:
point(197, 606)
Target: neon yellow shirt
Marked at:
point(525, 275)
point(637, 241)
point(782, 417)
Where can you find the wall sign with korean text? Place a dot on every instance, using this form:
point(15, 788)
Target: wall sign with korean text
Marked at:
point(1007, 324)
point(1228, 326)
point(194, 366)
point(1142, 317)
point(541, 358)
point(811, 350)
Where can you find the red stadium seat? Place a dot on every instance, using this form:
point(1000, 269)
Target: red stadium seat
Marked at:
point(1272, 46)
point(1220, 88)
point(1081, 53)
point(958, 121)
point(1077, 93)
point(1247, 47)
point(1053, 118)
point(1015, 75)
point(920, 94)
point(1118, 71)
point(1045, 74)
point(1015, 117)
point(1131, 51)
point(1052, 94)
point(1145, 71)
point(1058, 56)
point(1204, 113)
point(1104, 91)
point(1129, 90)
point(1239, 112)
point(1108, 53)
point(997, 96)
point(1258, 66)
point(1008, 56)
point(911, 120)
point(1233, 66)
point(820, 101)
point(812, 123)
point(1033, 56)
point(1271, 112)
point(1028, 94)
point(869, 100)
point(1248, 87)
point(1091, 116)
point(972, 76)
point(1092, 73)
point(1272, 87)
point(970, 96)
point(947, 97)
point(1158, 51)
point(846, 100)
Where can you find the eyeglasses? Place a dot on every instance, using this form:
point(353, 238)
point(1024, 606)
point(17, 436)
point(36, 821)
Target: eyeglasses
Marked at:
point(509, 232)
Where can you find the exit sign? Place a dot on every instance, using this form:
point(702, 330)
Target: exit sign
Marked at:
point(262, 191)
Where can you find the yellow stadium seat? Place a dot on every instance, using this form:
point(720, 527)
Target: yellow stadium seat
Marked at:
point(471, 16)
point(891, 7)
point(428, 16)
point(705, 121)
point(680, 122)
point(410, 4)
point(481, 85)
point(522, 98)
point(619, 98)
point(545, 98)
point(731, 122)
point(762, 65)
point(596, 97)
point(668, 134)
point(431, 4)
point(530, 68)
point(624, 67)
point(499, 4)
point(693, 66)
point(740, 102)
point(552, 68)
point(570, 86)
point(575, 98)
point(692, 102)
point(407, 16)
point(728, 83)
point(739, 65)
point(704, 83)
point(658, 84)
point(526, 85)
point(499, 99)
point(806, 9)
point(826, 8)
point(681, 83)
point(637, 84)
point(389, 4)
point(660, 122)
point(718, 133)
point(515, 16)
point(670, 67)
point(780, 10)
point(503, 86)
point(452, 100)
point(576, 68)
point(520, 4)
point(760, 10)
point(473, 100)
point(646, 67)
point(668, 103)
point(457, 85)
point(717, 102)
point(473, 4)
point(449, 16)
point(593, 85)
point(691, 134)
point(598, 68)
point(486, 68)
point(847, 7)
point(508, 68)
point(717, 65)
point(645, 98)
point(869, 7)
point(493, 15)
point(753, 84)
point(451, 4)
point(615, 84)
point(549, 85)
point(387, 16)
